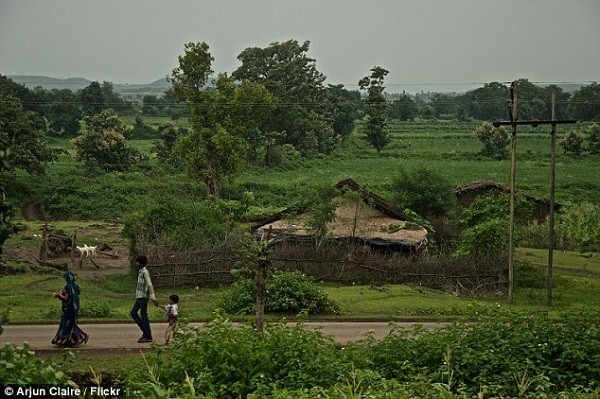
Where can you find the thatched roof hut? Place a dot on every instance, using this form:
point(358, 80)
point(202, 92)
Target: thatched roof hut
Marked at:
point(365, 217)
point(468, 193)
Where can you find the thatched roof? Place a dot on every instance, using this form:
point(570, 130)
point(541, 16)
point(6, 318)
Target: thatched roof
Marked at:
point(492, 185)
point(368, 218)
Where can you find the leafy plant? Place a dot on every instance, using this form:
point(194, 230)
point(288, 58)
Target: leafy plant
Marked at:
point(20, 365)
point(287, 293)
point(425, 191)
point(494, 140)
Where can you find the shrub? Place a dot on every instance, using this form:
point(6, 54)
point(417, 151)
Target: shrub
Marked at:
point(494, 141)
point(230, 362)
point(19, 365)
point(572, 143)
point(287, 293)
point(501, 357)
point(179, 224)
point(424, 191)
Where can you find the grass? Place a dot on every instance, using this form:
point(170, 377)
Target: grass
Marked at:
point(28, 296)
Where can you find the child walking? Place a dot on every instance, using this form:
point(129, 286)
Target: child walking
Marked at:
point(172, 310)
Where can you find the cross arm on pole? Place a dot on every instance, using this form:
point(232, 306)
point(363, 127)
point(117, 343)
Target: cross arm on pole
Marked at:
point(533, 122)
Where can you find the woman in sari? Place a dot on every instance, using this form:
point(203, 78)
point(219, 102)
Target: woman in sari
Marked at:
point(69, 334)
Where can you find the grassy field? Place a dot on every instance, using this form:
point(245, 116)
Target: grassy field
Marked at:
point(448, 147)
point(577, 282)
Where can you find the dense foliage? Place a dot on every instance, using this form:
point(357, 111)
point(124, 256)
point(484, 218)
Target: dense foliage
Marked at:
point(525, 356)
point(288, 293)
point(20, 365)
point(424, 191)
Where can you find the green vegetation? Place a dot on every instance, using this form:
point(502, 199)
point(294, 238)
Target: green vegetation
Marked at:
point(287, 293)
point(267, 138)
point(525, 356)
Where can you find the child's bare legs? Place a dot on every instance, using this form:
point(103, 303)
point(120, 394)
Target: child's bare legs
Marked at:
point(169, 332)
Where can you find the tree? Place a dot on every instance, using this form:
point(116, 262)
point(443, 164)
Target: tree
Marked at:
point(494, 140)
point(585, 103)
point(375, 105)
point(425, 192)
point(7, 226)
point(487, 102)
point(23, 133)
point(63, 113)
point(593, 139)
point(92, 99)
point(443, 104)
point(163, 147)
point(341, 108)
point(532, 101)
point(299, 117)
point(141, 131)
point(404, 108)
point(572, 143)
point(103, 145)
point(215, 150)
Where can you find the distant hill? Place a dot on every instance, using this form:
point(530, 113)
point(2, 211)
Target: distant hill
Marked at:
point(45, 82)
point(128, 91)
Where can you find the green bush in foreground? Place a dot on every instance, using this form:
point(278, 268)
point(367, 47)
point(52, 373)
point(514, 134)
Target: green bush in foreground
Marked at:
point(287, 293)
point(496, 357)
point(21, 366)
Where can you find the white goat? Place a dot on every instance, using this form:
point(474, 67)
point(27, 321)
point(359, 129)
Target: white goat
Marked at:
point(87, 252)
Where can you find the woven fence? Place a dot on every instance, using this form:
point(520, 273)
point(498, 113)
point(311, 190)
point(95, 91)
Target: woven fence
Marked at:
point(341, 262)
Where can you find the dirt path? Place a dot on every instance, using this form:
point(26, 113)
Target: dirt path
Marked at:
point(123, 337)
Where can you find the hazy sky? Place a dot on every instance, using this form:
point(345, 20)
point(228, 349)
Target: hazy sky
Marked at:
point(426, 43)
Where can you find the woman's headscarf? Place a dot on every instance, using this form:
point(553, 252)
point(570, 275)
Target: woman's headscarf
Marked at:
point(72, 288)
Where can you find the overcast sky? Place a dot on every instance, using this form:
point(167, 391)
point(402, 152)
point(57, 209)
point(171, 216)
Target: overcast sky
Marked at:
point(425, 44)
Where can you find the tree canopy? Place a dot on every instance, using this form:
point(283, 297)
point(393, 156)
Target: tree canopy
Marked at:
point(376, 104)
point(215, 150)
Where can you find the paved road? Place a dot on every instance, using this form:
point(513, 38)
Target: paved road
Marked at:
point(105, 337)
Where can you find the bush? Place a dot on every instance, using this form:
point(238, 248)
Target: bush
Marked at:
point(183, 225)
point(424, 191)
point(230, 362)
point(21, 366)
point(287, 293)
point(494, 141)
point(575, 229)
point(498, 356)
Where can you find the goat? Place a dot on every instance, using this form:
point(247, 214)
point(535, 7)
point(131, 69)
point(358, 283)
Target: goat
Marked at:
point(87, 252)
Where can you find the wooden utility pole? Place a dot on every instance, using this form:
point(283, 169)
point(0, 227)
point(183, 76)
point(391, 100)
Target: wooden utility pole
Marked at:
point(513, 174)
point(514, 122)
point(552, 193)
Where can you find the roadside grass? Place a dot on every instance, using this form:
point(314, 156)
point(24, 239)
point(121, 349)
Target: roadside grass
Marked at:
point(104, 365)
point(28, 296)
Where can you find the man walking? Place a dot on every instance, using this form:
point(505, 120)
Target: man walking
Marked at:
point(143, 292)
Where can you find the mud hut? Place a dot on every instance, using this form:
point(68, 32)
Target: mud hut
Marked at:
point(364, 218)
point(468, 193)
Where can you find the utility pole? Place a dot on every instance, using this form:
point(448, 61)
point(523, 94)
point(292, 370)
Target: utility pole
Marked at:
point(513, 174)
point(514, 122)
point(552, 190)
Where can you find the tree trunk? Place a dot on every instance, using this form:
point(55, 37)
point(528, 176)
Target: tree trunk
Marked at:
point(261, 294)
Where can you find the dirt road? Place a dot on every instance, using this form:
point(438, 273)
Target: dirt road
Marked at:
point(124, 336)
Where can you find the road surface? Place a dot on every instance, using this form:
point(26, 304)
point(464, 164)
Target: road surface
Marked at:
point(105, 337)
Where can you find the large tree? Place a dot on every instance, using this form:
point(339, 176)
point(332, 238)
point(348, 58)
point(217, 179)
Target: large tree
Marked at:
point(215, 150)
point(63, 113)
point(487, 102)
point(103, 144)
point(585, 103)
point(404, 108)
point(23, 132)
point(92, 99)
point(291, 76)
point(375, 105)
